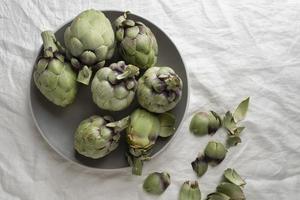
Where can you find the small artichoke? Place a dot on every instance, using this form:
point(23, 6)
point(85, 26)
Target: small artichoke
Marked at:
point(114, 87)
point(205, 123)
point(89, 41)
point(159, 89)
point(136, 42)
point(157, 183)
point(200, 165)
point(97, 136)
point(141, 135)
point(190, 191)
point(233, 191)
point(52, 75)
point(215, 152)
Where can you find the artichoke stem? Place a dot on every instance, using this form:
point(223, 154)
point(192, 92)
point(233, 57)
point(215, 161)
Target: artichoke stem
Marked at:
point(49, 43)
point(137, 166)
point(120, 125)
point(130, 71)
point(84, 75)
point(172, 82)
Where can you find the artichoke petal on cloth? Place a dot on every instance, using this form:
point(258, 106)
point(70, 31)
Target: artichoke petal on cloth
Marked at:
point(97, 136)
point(114, 87)
point(159, 89)
point(52, 75)
point(89, 41)
point(137, 44)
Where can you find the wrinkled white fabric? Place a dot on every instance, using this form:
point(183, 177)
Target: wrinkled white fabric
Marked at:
point(231, 48)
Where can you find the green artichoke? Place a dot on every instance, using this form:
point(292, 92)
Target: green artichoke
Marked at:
point(137, 44)
point(157, 183)
point(159, 89)
point(114, 87)
point(97, 136)
point(52, 75)
point(141, 135)
point(190, 191)
point(89, 41)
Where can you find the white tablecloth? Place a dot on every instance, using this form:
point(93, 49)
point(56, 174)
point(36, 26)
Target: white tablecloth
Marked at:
point(231, 48)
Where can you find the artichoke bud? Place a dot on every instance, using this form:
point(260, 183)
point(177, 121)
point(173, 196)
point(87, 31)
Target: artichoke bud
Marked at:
point(217, 196)
point(143, 129)
point(52, 75)
point(137, 44)
point(232, 176)
point(159, 89)
point(190, 191)
point(96, 136)
point(157, 183)
point(205, 123)
point(113, 88)
point(233, 191)
point(200, 165)
point(215, 152)
point(89, 40)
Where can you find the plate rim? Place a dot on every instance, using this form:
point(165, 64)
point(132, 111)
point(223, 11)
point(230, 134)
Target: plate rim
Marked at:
point(120, 168)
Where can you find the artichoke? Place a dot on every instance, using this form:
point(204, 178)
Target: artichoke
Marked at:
point(114, 87)
point(157, 183)
point(215, 152)
point(89, 42)
point(205, 123)
point(159, 89)
point(137, 44)
point(52, 75)
point(97, 136)
point(141, 135)
point(190, 191)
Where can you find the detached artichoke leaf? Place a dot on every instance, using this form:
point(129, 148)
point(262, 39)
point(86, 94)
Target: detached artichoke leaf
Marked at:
point(232, 176)
point(231, 190)
point(119, 125)
point(156, 183)
point(204, 123)
point(200, 165)
point(215, 152)
point(167, 124)
point(190, 191)
point(233, 140)
point(229, 123)
point(84, 75)
point(217, 196)
point(241, 111)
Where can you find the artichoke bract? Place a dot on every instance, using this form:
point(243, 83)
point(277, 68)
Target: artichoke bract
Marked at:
point(52, 75)
point(89, 41)
point(114, 87)
point(190, 191)
point(141, 135)
point(157, 183)
point(159, 89)
point(137, 44)
point(97, 136)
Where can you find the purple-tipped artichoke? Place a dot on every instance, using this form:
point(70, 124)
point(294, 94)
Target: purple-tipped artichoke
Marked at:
point(137, 44)
point(159, 89)
point(114, 87)
point(97, 136)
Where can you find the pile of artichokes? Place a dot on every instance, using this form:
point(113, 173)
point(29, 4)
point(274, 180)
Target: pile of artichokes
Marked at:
point(91, 41)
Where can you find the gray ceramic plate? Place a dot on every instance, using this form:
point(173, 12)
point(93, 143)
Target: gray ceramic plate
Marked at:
point(57, 125)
